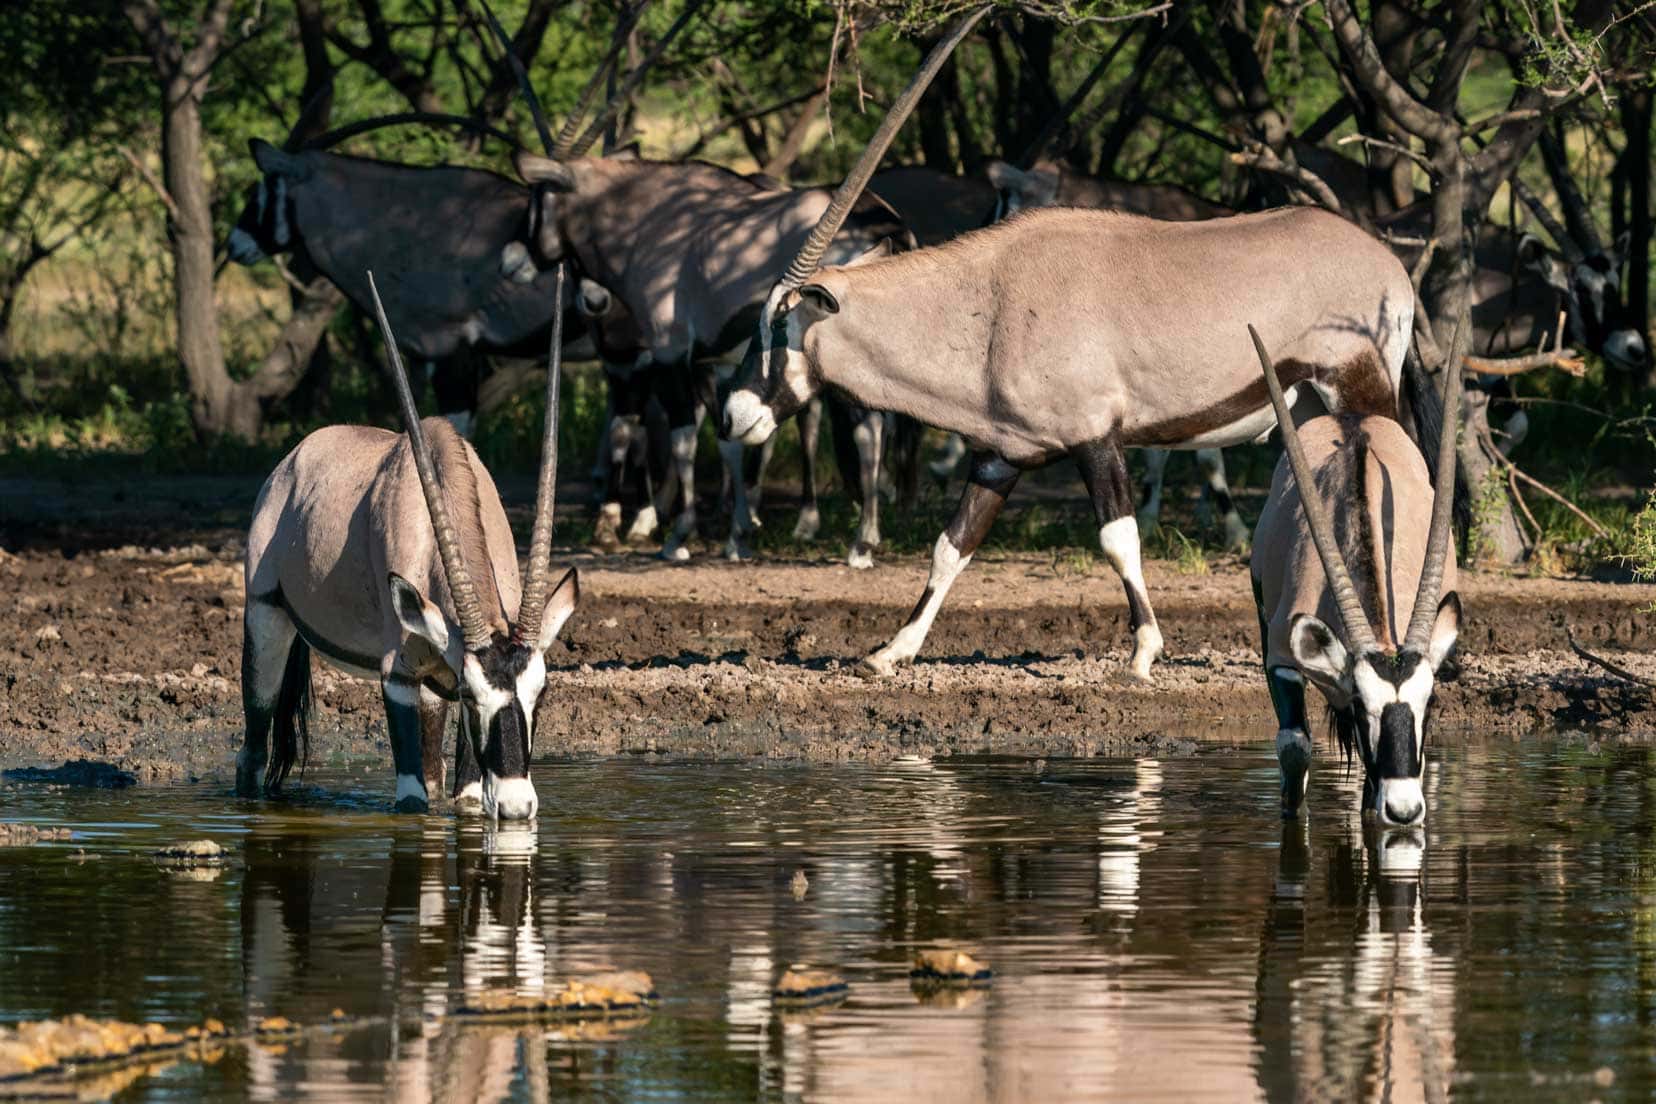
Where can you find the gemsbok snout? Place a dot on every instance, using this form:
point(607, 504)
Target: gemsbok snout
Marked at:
point(390, 556)
point(1353, 534)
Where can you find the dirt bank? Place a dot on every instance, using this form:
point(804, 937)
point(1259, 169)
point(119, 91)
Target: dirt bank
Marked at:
point(131, 656)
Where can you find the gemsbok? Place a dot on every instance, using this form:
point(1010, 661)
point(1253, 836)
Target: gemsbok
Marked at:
point(390, 556)
point(1051, 183)
point(1353, 534)
point(1074, 333)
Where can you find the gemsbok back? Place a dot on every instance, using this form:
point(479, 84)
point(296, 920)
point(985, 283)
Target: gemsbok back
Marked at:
point(390, 556)
point(1354, 533)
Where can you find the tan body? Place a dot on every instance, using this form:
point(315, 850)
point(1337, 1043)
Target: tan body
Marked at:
point(344, 508)
point(1394, 493)
point(1061, 327)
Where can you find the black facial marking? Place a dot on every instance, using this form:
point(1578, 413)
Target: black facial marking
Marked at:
point(1396, 755)
point(503, 661)
point(506, 753)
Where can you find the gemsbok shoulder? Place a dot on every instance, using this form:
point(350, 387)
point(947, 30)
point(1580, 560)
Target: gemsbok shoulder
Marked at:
point(1353, 534)
point(389, 555)
point(1077, 333)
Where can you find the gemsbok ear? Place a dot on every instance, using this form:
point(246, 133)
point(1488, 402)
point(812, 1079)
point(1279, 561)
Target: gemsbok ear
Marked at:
point(276, 162)
point(819, 299)
point(1319, 652)
point(1004, 176)
point(418, 617)
point(1445, 630)
point(535, 169)
point(883, 249)
point(559, 606)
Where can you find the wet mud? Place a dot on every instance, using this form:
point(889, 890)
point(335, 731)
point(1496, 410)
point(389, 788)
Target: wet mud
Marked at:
point(130, 657)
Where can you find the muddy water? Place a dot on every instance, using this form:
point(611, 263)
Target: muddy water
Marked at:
point(1155, 930)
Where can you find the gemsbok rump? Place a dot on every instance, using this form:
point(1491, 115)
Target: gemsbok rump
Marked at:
point(389, 555)
point(1069, 332)
point(1353, 534)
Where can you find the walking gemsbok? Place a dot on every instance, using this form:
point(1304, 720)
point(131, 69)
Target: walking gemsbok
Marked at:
point(389, 555)
point(1077, 333)
point(1354, 533)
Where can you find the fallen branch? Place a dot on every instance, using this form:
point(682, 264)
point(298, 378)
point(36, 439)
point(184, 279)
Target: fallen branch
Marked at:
point(1619, 672)
point(1515, 472)
point(1564, 359)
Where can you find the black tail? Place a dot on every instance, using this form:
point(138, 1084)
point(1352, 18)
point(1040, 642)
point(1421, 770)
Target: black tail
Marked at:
point(293, 706)
point(1426, 416)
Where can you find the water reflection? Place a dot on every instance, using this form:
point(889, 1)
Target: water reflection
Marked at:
point(1156, 931)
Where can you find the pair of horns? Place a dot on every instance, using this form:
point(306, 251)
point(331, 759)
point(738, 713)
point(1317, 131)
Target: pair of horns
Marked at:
point(1358, 630)
point(572, 141)
point(474, 626)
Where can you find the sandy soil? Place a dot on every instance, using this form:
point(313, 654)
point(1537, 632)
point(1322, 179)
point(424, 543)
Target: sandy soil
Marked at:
point(130, 656)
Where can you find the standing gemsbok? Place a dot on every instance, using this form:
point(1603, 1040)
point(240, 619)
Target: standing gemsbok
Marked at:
point(1076, 333)
point(1353, 534)
point(390, 556)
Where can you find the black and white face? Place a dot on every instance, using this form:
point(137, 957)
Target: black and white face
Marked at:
point(503, 683)
point(1598, 317)
point(265, 226)
point(1382, 701)
point(774, 384)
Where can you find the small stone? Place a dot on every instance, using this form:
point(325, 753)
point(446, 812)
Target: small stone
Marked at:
point(275, 1025)
point(1604, 1077)
point(949, 967)
point(800, 985)
point(193, 853)
point(48, 634)
point(800, 885)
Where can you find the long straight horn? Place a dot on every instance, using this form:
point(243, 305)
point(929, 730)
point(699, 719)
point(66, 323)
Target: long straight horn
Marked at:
point(572, 126)
point(522, 76)
point(1356, 622)
point(473, 626)
point(580, 145)
point(533, 603)
point(810, 254)
point(1443, 506)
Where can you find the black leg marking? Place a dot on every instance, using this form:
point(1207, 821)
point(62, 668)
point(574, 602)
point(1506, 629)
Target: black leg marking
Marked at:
point(402, 724)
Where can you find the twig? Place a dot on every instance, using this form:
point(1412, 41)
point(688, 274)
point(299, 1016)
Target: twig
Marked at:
point(1380, 143)
point(150, 179)
point(1619, 672)
point(1564, 359)
point(1418, 273)
point(1516, 472)
point(1307, 182)
point(1518, 497)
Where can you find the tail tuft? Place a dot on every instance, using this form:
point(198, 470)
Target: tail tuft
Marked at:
point(293, 707)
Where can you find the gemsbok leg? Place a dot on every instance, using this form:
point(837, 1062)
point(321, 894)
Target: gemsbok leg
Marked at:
point(1104, 470)
point(401, 691)
point(273, 687)
point(810, 432)
point(1293, 737)
point(433, 720)
point(858, 440)
point(1212, 463)
point(683, 420)
point(990, 481)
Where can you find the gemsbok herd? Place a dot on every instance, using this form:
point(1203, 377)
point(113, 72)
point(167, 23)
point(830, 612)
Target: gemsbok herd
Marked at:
point(1067, 318)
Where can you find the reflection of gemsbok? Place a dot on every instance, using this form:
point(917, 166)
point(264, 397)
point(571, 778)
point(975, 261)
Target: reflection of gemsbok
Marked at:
point(1353, 1002)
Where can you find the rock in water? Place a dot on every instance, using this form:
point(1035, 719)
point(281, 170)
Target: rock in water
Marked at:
point(194, 853)
point(949, 968)
point(800, 885)
point(801, 986)
point(622, 991)
point(19, 835)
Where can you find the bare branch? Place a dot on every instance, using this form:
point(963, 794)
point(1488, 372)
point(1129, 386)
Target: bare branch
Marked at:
point(1600, 661)
point(1565, 360)
point(151, 179)
point(1395, 100)
point(1313, 187)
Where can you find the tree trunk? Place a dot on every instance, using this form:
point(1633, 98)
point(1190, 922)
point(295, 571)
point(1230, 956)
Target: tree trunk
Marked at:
point(213, 404)
point(1636, 120)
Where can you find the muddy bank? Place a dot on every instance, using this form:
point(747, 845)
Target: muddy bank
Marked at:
point(131, 657)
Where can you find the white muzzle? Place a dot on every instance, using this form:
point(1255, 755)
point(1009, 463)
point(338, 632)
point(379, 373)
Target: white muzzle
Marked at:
point(509, 798)
point(1400, 801)
point(750, 420)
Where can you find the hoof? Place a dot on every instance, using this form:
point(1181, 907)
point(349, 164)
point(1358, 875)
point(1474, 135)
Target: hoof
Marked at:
point(413, 805)
point(1147, 648)
point(674, 552)
point(1237, 537)
point(810, 521)
point(861, 557)
point(469, 801)
point(643, 526)
point(876, 666)
point(737, 551)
